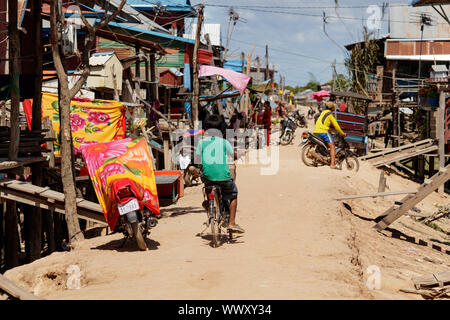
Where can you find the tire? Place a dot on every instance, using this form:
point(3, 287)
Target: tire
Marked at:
point(286, 138)
point(351, 163)
point(306, 160)
point(215, 222)
point(138, 236)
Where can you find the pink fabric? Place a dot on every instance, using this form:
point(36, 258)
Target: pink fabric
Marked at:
point(237, 80)
point(319, 95)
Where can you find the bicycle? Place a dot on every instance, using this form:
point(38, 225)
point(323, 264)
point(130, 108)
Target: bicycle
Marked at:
point(218, 213)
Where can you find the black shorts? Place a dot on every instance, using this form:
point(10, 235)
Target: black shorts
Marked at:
point(229, 188)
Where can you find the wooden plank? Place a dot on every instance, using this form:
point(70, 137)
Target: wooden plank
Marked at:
point(6, 165)
point(17, 292)
point(410, 201)
point(58, 207)
point(404, 155)
point(421, 143)
point(43, 192)
point(432, 280)
point(379, 194)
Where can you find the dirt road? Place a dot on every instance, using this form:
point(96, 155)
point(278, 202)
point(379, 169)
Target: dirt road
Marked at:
point(300, 244)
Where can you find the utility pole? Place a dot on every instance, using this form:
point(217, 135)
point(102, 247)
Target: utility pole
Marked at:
point(258, 64)
point(196, 84)
point(333, 70)
point(266, 74)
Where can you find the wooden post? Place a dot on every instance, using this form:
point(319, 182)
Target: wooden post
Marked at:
point(138, 64)
point(441, 133)
point(155, 93)
point(2, 233)
point(36, 8)
point(12, 236)
point(215, 83)
point(32, 214)
point(14, 71)
point(196, 84)
point(258, 70)
point(33, 221)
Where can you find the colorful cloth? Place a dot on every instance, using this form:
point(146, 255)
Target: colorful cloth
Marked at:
point(121, 159)
point(91, 121)
point(237, 79)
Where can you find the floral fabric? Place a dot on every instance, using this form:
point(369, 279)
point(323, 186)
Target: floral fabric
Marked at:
point(91, 121)
point(121, 159)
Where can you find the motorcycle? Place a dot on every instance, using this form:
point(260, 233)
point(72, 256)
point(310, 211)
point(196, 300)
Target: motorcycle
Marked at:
point(135, 219)
point(315, 152)
point(311, 113)
point(300, 119)
point(287, 130)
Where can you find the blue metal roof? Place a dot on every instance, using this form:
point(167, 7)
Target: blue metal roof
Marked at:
point(235, 65)
point(172, 5)
point(153, 33)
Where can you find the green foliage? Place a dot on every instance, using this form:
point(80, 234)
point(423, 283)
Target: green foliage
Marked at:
point(341, 83)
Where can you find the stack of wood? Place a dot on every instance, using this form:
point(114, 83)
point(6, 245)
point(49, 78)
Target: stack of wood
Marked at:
point(30, 142)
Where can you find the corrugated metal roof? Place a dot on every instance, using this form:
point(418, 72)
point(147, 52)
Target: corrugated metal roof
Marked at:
point(175, 5)
point(150, 32)
point(399, 14)
point(439, 68)
point(100, 58)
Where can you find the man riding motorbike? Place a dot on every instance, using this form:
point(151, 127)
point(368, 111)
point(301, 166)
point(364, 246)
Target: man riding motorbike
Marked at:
point(214, 150)
point(322, 129)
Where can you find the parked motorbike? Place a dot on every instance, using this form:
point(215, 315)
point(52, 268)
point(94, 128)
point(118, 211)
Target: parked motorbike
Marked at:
point(311, 113)
point(287, 130)
point(315, 152)
point(300, 119)
point(135, 219)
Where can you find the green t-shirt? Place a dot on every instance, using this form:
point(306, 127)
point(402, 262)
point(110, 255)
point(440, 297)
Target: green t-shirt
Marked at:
point(214, 151)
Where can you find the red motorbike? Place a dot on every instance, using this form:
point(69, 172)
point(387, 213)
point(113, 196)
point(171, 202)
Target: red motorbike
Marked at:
point(135, 218)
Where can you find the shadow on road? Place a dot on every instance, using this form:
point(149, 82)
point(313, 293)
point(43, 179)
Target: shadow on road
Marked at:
point(129, 246)
point(175, 212)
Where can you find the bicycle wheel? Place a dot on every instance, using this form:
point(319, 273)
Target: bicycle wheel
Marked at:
point(215, 221)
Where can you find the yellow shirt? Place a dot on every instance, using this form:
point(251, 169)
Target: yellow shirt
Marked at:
point(324, 126)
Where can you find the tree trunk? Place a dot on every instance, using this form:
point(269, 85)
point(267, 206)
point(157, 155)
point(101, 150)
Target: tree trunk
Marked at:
point(67, 173)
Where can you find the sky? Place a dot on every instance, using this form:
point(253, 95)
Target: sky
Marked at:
point(294, 32)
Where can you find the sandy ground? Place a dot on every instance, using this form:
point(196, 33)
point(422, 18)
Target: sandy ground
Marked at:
point(300, 244)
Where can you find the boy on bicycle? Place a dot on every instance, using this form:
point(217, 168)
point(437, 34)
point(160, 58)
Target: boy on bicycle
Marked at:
point(214, 151)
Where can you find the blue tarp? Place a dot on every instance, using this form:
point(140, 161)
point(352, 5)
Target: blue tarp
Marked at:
point(235, 65)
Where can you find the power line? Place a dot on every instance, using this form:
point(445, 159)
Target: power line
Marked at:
point(306, 14)
point(317, 59)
